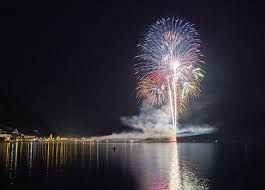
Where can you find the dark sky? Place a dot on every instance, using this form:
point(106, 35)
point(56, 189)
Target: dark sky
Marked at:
point(70, 63)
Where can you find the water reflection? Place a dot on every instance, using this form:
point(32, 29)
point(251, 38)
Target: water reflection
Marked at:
point(163, 166)
point(13, 162)
point(175, 181)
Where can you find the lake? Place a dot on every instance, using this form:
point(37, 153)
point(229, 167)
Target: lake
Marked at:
point(135, 166)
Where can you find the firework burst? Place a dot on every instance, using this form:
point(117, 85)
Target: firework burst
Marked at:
point(149, 91)
point(169, 69)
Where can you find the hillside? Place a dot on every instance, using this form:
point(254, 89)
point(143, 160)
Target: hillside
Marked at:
point(16, 116)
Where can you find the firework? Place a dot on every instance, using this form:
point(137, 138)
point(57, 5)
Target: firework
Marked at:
point(151, 92)
point(169, 69)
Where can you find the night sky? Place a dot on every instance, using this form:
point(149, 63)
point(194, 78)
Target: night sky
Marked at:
point(70, 63)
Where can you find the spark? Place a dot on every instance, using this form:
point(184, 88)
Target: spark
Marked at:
point(169, 68)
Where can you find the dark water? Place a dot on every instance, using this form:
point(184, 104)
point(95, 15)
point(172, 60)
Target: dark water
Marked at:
point(141, 166)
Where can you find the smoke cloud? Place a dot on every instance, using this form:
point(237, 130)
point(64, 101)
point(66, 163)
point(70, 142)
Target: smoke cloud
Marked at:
point(152, 123)
point(193, 130)
point(157, 122)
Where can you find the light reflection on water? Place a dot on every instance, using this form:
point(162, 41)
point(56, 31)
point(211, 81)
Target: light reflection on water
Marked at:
point(154, 166)
point(161, 166)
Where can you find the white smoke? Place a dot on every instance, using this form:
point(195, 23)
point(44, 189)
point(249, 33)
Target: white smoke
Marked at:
point(157, 123)
point(151, 122)
point(194, 130)
point(148, 124)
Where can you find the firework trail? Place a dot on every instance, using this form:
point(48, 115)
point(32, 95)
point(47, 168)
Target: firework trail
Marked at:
point(169, 69)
